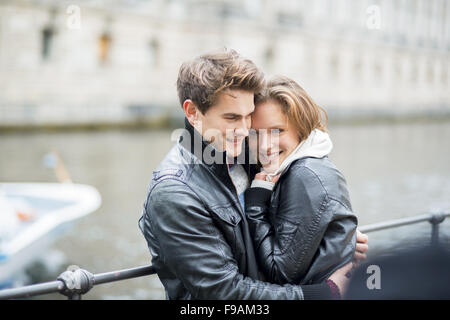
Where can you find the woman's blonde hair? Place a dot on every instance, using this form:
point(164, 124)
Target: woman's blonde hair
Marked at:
point(296, 104)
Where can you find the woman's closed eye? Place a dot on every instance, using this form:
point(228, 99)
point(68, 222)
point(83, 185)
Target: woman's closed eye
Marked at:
point(276, 131)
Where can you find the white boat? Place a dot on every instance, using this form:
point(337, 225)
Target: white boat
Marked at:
point(33, 216)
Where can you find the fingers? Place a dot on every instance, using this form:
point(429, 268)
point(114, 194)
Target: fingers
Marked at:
point(347, 268)
point(362, 248)
point(261, 176)
point(360, 256)
point(361, 237)
point(275, 179)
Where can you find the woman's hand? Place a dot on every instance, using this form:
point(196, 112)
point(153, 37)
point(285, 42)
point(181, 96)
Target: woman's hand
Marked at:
point(263, 175)
point(341, 277)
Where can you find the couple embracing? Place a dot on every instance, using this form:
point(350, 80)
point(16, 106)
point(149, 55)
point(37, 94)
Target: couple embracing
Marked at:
point(247, 205)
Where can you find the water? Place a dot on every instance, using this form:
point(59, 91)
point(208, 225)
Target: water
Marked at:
point(392, 171)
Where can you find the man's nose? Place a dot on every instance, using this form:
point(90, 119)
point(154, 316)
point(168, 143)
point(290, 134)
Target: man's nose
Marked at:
point(243, 128)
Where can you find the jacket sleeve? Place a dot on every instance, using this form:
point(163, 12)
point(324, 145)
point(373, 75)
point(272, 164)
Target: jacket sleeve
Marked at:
point(311, 234)
point(337, 247)
point(194, 249)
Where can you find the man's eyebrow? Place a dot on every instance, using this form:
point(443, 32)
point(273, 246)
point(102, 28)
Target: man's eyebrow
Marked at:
point(230, 114)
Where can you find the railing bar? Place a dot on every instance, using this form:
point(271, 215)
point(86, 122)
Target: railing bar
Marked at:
point(390, 224)
point(397, 223)
point(32, 290)
point(123, 274)
point(57, 286)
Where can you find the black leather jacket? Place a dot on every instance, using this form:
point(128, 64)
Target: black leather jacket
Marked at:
point(305, 229)
point(198, 235)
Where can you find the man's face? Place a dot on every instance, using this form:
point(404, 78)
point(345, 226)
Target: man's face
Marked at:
point(227, 122)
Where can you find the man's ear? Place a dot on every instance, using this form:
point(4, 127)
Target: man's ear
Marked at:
point(191, 111)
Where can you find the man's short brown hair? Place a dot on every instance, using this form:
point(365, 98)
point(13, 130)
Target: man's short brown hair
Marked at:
point(204, 78)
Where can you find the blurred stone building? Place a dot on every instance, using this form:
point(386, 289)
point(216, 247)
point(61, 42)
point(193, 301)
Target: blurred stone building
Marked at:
point(97, 62)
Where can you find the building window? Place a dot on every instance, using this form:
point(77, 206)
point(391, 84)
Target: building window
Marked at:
point(444, 74)
point(378, 70)
point(398, 68)
point(47, 35)
point(334, 66)
point(269, 56)
point(154, 52)
point(414, 75)
point(357, 68)
point(430, 72)
point(104, 46)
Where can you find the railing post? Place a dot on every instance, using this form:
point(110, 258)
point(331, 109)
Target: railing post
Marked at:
point(435, 220)
point(75, 296)
point(77, 282)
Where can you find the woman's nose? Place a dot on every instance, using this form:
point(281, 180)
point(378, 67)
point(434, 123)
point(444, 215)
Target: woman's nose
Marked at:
point(264, 141)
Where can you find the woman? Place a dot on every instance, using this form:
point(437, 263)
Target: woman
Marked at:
point(298, 207)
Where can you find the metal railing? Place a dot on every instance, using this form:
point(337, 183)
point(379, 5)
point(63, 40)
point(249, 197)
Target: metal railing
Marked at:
point(75, 283)
point(434, 219)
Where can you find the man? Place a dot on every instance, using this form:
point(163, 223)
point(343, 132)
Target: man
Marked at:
point(193, 218)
